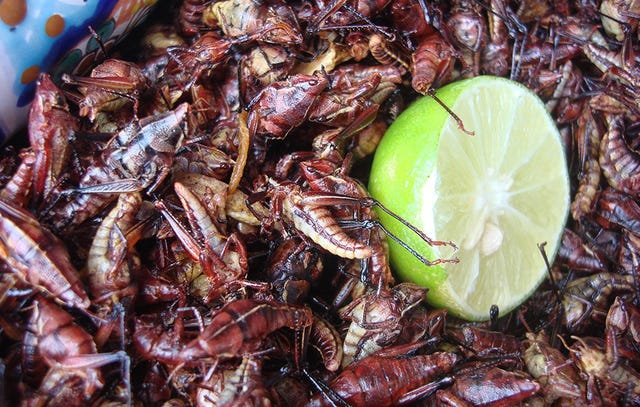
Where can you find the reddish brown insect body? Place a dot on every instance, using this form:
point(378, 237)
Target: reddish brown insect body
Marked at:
point(619, 164)
point(490, 387)
point(241, 325)
point(18, 188)
point(484, 343)
point(384, 381)
point(71, 355)
point(50, 144)
point(431, 63)
point(191, 12)
point(112, 84)
point(39, 257)
point(282, 106)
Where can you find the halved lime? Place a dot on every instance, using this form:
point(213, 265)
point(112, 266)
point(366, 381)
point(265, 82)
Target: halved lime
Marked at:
point(497, 194)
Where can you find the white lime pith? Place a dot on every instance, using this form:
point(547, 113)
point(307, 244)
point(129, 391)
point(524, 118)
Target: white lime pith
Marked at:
point(497, 195)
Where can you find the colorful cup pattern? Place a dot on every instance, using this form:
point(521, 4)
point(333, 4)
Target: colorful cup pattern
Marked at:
point(53, 36)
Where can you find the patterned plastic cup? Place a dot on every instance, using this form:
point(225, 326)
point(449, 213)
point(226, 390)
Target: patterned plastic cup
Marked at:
point(53, 36)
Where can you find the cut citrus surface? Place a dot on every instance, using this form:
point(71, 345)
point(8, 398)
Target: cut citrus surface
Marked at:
point(497, 194)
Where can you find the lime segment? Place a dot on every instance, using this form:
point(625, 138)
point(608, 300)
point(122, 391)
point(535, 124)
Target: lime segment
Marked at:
point(497, 194)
